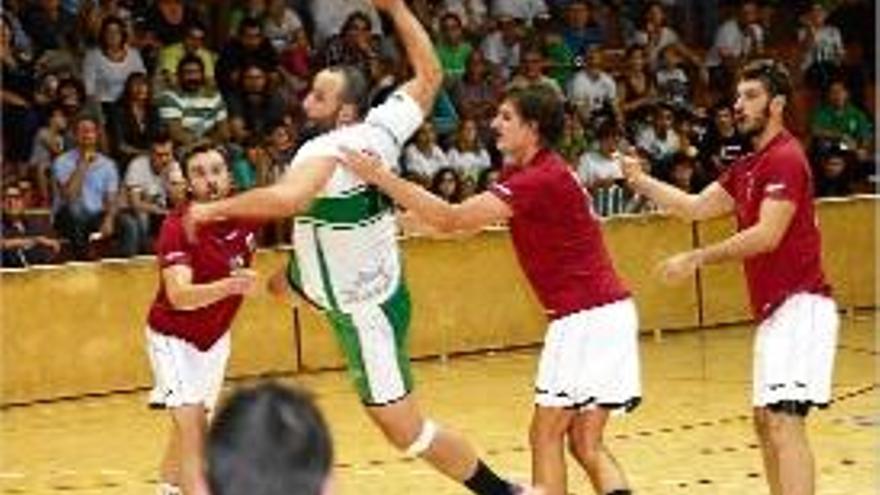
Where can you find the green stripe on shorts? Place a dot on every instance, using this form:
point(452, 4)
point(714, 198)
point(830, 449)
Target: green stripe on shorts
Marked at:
point(378, 382)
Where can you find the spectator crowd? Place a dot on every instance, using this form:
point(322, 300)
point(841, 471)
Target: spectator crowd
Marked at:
point(100, 97)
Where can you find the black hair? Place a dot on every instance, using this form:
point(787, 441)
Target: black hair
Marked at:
point(130, 82)
point(607, 129)
point(105, 24)
point(533, 47)
point(249, 64)
point(161, 136)
point(195, 24)
point(722, 104)
point(190, 58)
point(628, 53)
point(199, 147)
point(835, 79)
point(483, 177)
point(75, 83)
point(451, 15)
point(540, 104)
point(773, 75)
point(355, 16)
point(87, 116)
point(437, 180)
point(52, 107)
point(249, 23)
point(647, 8)
point(269, 440)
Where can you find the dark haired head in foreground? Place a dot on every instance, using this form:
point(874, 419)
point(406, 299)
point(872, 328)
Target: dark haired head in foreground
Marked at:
point(269, 440)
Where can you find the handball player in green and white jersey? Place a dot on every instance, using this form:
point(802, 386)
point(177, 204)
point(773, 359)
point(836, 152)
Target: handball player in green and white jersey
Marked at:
point(346, 258)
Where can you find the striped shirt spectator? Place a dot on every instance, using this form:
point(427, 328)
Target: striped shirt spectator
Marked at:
point(611, 200)
point(194, 111)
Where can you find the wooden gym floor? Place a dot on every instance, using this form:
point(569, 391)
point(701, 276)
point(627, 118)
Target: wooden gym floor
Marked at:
point(692, 435)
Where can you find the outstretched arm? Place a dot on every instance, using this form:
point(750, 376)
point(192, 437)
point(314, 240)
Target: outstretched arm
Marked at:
point(419, 51)
point(773, 222)
point(186, 295)
point(713, 201)
point(476, 212)
point(291, 194)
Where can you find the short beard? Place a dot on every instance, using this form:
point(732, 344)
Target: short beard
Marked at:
point(324, 125)
point(190, 87)
point(758, 128)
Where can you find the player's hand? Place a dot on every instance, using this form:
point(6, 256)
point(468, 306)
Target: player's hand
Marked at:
point(366, 166)
point(50, 243)
point(242, 282)
point(107, 229)
point(677, 268)
point(631, 165)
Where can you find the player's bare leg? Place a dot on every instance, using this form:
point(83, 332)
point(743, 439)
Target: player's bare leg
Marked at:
point(192, 423)
point(407, 429)
point(169, 469)
point(547, 439)
point(586, 445)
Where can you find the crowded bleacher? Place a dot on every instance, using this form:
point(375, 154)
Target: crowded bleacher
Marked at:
point(127, 85)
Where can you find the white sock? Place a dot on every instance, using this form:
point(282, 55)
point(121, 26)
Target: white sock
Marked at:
point(168, 489)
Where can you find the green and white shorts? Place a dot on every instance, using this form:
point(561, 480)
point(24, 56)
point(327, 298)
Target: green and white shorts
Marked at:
point(374, 339)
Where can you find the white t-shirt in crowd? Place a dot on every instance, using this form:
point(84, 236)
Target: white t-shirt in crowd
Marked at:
point(330, 15)
point(658, 148)
point(280, 35)
point(732, 41)
point(667, 37)
point(591, 92)
point(594, 166)
point(526, 10)
point(503, 56)
point(472, 13)
point(105, 79)
point(140, 174)
point(469, 163)
point(422, 163)
point(827, 46)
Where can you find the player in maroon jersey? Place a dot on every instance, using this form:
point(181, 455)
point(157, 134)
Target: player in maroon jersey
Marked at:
point(201, 287)
point(770, 192)
point(589, 365)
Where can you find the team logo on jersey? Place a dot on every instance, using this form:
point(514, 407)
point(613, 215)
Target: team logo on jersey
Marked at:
point(750, 186)
point(503, 189)
point(174, 256)
point(775, 190)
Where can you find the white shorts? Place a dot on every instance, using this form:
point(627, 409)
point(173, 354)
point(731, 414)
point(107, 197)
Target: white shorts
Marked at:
point(591, 358)
point(184, 375)
point(794, 352)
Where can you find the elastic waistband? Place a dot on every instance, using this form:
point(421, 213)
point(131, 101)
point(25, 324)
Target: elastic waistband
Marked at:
point(554, 316)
